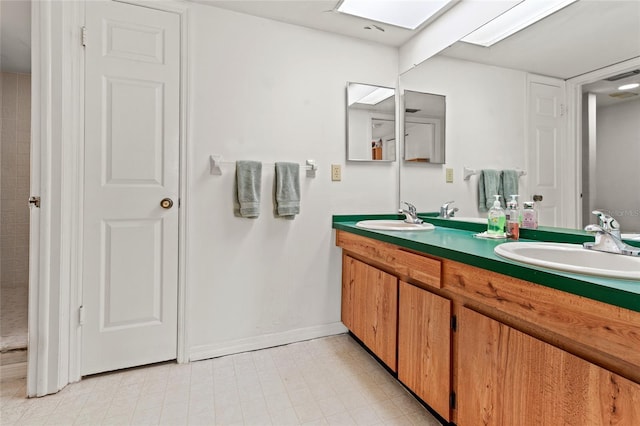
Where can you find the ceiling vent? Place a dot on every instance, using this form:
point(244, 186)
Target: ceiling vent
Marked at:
point(622, 95)
point(411, 110)
point(623, 75)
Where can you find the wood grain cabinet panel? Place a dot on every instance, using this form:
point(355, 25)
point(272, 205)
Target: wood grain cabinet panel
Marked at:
point(424, 346)
point(505, 377)
point(370, 307)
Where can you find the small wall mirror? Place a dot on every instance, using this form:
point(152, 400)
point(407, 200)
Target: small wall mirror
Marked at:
point(424, 125)
point(371, 123)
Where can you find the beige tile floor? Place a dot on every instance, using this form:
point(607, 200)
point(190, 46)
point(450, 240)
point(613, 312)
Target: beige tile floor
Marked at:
point(13, 316)
point(328, 381)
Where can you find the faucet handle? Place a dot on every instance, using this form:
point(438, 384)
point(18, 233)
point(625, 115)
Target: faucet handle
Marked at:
point(606, 222)
point(446, 205)
point(410, 207)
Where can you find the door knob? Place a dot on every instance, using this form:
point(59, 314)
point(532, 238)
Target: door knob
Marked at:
point(166, 203)
point(537, 198)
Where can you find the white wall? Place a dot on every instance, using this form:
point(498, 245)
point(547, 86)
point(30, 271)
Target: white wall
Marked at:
point(268, 91)
point(485, 128)
point(617, 185)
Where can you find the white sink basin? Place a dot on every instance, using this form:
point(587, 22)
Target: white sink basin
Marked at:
point(572, 258)
point(394, 225)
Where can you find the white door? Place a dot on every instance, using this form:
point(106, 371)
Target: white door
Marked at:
point(546, 136)
point(130, 242)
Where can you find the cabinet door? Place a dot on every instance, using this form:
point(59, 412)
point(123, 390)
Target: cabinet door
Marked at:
point(370, 307)
point(424, 346)
point(506, 377)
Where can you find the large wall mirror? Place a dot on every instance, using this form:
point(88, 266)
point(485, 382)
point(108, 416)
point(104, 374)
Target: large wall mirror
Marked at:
point(486, 120)
point(424, 127)
point(371, 123)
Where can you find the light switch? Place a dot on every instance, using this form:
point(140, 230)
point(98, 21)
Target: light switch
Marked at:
point(449, 175)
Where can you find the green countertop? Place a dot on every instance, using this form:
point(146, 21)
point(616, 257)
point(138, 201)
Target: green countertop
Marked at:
point(454, 240)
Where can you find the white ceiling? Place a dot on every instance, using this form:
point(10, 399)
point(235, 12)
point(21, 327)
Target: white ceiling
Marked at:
point(585, 36)
point(582, 37)
point(317, 14)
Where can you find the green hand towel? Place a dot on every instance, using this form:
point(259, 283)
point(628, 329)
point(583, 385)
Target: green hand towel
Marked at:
point(509, 184)
point(488, 186)
point(287, 189)
point(248, 181)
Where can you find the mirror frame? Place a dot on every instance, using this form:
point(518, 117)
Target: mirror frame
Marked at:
point(379, 115)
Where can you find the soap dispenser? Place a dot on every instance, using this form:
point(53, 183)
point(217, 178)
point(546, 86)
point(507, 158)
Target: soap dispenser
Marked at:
point(514, 218)
point(496, 219)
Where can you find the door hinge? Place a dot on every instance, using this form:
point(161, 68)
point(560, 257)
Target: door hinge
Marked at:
point(34, 200)
point(84, 36)
point(452, 400)
point(454, 323)
point(81, 315)
point(563, 110)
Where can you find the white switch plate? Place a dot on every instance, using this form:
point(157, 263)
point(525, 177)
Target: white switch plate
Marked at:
point(336, 172)
point(449, 175)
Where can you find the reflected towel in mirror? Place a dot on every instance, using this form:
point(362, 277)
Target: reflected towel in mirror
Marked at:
point(509, 184)
point(488, 186)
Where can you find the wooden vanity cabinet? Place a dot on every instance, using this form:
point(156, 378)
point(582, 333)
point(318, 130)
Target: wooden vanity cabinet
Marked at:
point(506, 377)
point(424, 346)
point(370, 307)
point(521, 353)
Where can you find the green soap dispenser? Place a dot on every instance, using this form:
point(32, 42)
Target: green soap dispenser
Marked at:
point(496, 219)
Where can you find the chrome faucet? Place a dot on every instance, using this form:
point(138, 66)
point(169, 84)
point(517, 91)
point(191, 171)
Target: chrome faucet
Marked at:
point(607, 236)
point(410, 213)
point(446, 212)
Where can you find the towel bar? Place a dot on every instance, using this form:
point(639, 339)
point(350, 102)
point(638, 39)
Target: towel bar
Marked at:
point(467, 172)
point(216, 161)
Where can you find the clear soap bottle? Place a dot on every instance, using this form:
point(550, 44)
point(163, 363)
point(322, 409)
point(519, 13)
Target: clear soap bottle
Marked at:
point(496, 219)
point(530, 215)
point(514, 218)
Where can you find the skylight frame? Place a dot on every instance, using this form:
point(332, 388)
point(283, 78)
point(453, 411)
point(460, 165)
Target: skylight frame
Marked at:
point(519, 17)
point(403, 14)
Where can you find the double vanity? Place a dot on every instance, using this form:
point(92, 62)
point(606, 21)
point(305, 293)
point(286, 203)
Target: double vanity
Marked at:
point(483, 339)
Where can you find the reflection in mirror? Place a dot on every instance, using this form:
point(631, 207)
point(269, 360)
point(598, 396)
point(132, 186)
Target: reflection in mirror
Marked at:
point(371, 123)
point(424, 127)
point(487, 108)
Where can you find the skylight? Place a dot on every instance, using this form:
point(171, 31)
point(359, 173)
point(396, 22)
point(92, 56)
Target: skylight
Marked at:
point(408, 14)
point(370, 95)
point(515, 19)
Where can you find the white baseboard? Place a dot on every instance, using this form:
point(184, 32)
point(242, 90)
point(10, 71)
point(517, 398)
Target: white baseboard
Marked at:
point(265, 341)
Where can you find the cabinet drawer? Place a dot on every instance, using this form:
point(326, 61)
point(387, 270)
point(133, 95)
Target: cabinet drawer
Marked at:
point(423, 269)
point(375, 251)
point(420, 268)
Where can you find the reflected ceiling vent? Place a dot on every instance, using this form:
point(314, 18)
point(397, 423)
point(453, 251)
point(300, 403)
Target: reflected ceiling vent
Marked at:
point(623, 75)
point(411, 110)
point(622, 95)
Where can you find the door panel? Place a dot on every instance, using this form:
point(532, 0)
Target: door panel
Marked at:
point(424, 346)
point(506, 377)
point(134, 132)
point(130, 243)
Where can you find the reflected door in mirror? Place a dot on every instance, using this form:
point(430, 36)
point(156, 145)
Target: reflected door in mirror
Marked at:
point(371, 124)
point(424, 127)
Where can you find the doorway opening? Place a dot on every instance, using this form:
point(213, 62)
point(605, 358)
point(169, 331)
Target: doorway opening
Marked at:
point(15, 147)
point(14, 232)
point(611, 148)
